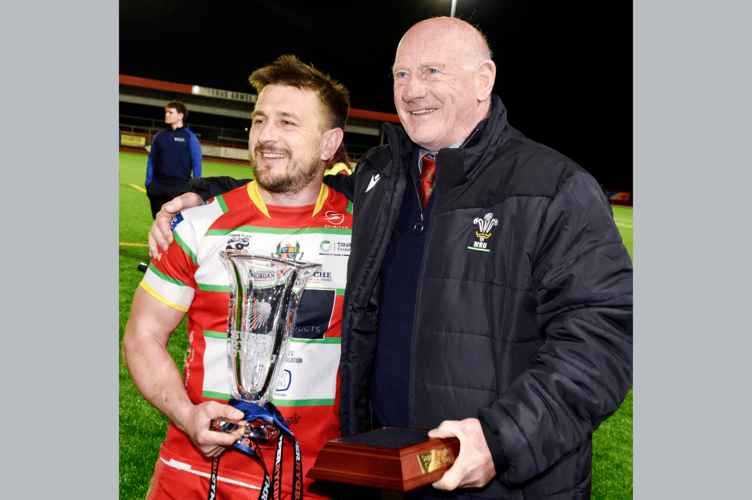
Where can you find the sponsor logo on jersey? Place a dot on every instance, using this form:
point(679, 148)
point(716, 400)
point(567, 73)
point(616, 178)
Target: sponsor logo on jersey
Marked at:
point(292, 420)
point(322, 276)
point(284, 380)
point(483, 233)
point(179, 139)
point(337, 248)
point(334, 217)
point(175, 221)
point(292, 358)
point(289, 250)
point(314, 314)
point(238, 242)
point(263, 275)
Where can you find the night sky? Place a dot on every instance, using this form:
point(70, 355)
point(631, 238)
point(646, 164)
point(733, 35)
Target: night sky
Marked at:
point(564, 70)
point(565, 75)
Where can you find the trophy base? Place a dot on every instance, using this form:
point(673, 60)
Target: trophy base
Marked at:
point(390, 458)
point(258, 430)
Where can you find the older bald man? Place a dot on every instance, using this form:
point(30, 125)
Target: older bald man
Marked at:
point(489, 294)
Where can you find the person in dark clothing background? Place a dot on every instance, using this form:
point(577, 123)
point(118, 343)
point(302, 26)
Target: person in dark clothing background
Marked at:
point(490, 300)
point(175, 153)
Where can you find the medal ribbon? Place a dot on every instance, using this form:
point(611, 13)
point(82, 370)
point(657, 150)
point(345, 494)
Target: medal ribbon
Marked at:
point(268, 413)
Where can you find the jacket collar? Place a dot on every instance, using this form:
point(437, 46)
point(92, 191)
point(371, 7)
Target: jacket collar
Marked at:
point(483, 143)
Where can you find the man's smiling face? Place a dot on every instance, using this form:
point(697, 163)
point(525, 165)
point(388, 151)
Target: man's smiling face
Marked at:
point(285, 140)
point(435, 92)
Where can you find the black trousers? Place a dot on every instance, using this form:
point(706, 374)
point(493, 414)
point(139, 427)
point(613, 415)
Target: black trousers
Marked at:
point(159, 194)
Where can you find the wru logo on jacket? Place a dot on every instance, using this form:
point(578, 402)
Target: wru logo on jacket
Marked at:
point(485, 224)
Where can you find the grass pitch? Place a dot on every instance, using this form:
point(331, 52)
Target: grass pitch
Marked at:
point(143, 428)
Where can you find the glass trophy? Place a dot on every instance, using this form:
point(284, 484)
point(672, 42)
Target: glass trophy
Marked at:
point(265, 294)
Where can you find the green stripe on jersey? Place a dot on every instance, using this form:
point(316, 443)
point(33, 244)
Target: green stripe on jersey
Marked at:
point(222, 205)
point(164, 276)
point(328, 340)
point(226, 289)
point(185, 247)
point(274, 230)
point(216, 395)
point(276, 402)
point(215, 335)
point(214, 288)
point(303, 402)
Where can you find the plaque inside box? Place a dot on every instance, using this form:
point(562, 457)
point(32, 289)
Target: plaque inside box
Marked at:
point(392, 458)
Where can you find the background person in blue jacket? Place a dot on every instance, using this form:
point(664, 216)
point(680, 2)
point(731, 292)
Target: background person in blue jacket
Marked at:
point(175, 154)
point(499, 312)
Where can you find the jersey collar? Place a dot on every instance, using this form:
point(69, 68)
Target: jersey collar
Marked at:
point(255, 195)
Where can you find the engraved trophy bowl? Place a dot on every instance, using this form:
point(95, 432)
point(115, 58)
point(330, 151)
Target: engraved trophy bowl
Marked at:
point(264, 297)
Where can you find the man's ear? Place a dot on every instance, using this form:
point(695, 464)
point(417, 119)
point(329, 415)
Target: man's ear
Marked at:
point(486, 77)
point(330, 142)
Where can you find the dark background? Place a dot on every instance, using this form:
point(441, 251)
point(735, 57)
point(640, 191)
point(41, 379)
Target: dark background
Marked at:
point(692, 81)
point(564, 70)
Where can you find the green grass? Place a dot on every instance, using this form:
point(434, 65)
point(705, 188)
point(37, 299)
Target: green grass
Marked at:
point(143, 428)
point(612, 442)
point(623, 219)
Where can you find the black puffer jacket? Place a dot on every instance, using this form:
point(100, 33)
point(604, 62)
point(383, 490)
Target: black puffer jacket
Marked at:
point(523, 315)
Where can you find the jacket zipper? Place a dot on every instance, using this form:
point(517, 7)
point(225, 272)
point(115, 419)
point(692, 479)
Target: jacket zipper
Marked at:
point(419, 225)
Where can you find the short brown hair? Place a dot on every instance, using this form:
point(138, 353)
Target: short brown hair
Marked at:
point(289, 70)
point(179, 106)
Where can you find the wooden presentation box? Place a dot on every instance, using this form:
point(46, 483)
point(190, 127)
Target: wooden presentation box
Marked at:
point(391, 458)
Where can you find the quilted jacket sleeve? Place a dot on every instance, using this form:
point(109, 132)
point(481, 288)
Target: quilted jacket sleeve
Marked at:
point(342, 183)
point(582, 279)
point(209, 187)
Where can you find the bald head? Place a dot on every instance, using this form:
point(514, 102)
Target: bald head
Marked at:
point(469, 43)
point(443, 79)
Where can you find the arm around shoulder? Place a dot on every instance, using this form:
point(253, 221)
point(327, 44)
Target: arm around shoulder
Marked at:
point(209, 187)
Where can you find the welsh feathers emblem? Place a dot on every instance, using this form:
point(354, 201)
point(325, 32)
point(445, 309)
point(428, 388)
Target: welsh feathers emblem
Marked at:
point(484, 233)
point(485, 224)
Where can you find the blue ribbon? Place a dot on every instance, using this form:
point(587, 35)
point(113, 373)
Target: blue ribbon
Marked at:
point(268, 413)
